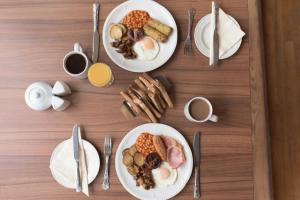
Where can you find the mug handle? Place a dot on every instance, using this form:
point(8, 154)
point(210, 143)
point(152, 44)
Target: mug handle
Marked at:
point(214, 118)
point(77, 47)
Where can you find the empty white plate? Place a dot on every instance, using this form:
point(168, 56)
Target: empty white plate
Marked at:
point(156, 11)
point(184, 171)
point(202, 37)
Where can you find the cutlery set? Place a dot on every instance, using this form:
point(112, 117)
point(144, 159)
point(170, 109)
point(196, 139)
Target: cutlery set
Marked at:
point(214, 42)
point(223, 38)
point(76, 155)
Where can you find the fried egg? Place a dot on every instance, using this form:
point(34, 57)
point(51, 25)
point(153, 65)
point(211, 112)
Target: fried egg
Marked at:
point(164, 175)
point(146, 49)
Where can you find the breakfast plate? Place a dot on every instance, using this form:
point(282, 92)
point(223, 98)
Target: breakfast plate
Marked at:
point(156, 12)
point(92, 161)
point(202, 37)
point(184, 171)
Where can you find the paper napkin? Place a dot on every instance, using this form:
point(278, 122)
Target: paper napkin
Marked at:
point(228, 31)
point(64, 165)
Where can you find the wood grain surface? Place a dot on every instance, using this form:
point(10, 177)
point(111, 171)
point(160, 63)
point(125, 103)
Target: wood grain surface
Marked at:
point(35, 35)
point(282, 47)
point(261, 150)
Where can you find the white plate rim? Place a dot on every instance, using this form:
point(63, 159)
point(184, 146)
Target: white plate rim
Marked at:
point(201, 47)
point(174, 34)
point(85, 143)
point(145, 127)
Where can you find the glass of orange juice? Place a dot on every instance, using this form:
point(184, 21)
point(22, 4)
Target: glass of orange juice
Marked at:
point(100, 75)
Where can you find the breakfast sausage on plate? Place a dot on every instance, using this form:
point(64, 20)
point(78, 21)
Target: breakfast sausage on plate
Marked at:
point(166, 30)
point(155, 34)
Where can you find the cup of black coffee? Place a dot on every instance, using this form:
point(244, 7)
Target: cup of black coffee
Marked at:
point(76, 63)
point(199, 109)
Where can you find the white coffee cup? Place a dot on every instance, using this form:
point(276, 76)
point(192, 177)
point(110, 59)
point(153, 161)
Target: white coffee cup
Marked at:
point(210, 116)
point(77, 51)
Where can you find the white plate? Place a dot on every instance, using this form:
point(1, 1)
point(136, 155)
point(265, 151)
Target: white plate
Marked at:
point(156, 11)
point(92, 161)
point(202, 37)
point(184, 172)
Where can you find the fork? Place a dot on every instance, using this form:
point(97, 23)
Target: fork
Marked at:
point(107, 153)
point(188, 51)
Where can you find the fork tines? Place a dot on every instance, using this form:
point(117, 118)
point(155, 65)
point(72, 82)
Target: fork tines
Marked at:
point(107, 145)
point(188, 51)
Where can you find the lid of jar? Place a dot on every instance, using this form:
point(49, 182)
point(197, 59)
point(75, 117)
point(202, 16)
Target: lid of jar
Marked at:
point(38, 96)
point(99, 74)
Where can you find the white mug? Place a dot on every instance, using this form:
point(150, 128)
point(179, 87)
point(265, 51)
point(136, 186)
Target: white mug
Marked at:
point(210, 116)
point(79, 51)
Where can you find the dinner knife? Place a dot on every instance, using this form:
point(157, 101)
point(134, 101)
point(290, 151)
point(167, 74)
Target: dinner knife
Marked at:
point(96, 36)
point(214, 58)
point(76, 156)
point(196, 145)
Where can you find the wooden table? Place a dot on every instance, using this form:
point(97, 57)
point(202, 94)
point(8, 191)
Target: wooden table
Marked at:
point(34, 37)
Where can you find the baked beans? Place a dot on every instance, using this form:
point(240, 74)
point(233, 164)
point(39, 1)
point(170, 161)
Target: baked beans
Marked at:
point(144, 144)
point(136, 19)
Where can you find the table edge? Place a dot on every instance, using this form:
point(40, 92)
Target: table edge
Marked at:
point(260, 130)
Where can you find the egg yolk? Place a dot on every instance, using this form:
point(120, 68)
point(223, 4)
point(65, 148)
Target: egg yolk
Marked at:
point(164, 173)
point(148, 44)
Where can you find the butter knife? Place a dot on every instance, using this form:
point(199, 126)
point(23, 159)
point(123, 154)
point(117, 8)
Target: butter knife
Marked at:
point(76, 156)
point(214, 57)
point(96, 36)
point(196, 145)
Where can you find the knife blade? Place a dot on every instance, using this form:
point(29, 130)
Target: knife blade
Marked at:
point(76, 155)
point(96, 36)
point(216, 36)
point(196, 146)
point(214, 50)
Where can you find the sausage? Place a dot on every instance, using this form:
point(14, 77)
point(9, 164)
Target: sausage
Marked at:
point(155, 34)
point(166, 30)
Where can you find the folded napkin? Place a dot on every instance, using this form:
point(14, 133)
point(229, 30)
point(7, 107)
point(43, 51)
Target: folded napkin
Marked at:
point(64, 165)
point(228, 31)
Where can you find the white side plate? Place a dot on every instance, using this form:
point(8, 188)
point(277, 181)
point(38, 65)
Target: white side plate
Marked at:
point(202, 37)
